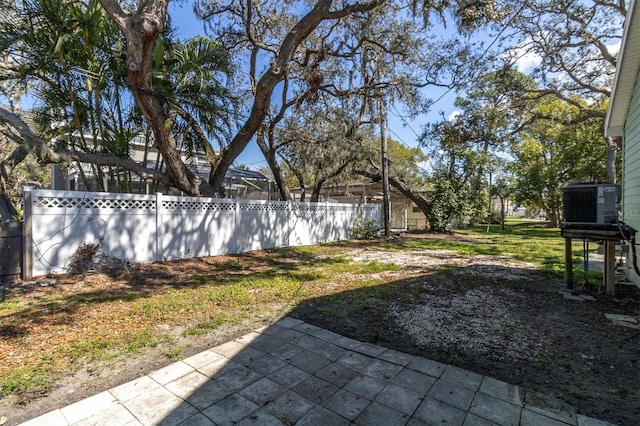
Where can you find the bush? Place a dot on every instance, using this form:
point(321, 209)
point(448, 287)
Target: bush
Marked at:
point(366, 230)
point(452, 202)
point(495, 218)
point(89, 257)
point(85, 259)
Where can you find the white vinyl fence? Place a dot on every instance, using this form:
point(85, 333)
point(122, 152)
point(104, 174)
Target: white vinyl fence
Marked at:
point(146, 228)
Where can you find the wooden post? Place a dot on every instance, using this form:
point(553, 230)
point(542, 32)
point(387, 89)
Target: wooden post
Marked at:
point(610, 267)
point(386, 202)
point(568, 263)
point(27, 235)
point(159, 246)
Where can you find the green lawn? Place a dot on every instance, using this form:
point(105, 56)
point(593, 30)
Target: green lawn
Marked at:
point(47, 335)
point(525, 240)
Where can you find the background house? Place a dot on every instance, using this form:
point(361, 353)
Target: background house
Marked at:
point(405, 215)
point(623, 119)
point(247, 184)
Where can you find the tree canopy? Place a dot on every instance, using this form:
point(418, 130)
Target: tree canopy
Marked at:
point(551, 154)
point(303, 79)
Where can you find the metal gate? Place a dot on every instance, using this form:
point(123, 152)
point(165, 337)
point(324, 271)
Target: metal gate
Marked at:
point(10, 251)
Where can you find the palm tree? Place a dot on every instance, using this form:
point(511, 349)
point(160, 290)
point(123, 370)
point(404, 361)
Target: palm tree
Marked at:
point(191, 82)
point(72, 57)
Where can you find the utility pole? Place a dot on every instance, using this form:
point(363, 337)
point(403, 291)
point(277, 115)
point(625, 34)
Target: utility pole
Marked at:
point(490, 203)
point(386, 204)
point(386, 215)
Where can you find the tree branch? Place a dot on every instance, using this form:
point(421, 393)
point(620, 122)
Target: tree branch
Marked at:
point(33, 144)
point(276, 73)
point(115, 12)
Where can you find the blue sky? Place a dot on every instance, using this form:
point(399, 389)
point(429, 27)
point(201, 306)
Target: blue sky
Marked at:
point(399, 128)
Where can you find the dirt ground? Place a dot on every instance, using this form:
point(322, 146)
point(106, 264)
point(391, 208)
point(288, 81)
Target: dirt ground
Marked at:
point(489, 314)
point(506, 319)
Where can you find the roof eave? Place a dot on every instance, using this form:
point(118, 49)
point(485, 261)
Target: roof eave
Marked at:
point(624, 78)
point(614, 131)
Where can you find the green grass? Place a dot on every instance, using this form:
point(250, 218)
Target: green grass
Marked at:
point(204, 327)
point(531, 241)
point(167, 308)
point(9, 305)
point(321, 276)
point(174, 352)
point(524, 240)
point(27, 380)
point(91, 348)
point(136, 342)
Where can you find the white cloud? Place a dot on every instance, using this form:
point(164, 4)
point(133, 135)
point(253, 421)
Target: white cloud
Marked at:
point(528, 61)
point(454, 115)
point(614, 48)
point(524, 60)
point(425, 166)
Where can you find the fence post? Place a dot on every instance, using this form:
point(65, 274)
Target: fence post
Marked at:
point(329, 223)
point(289, 220)
point(158, 247)
point(236, 226)
point(406, 217)
point(27, 234)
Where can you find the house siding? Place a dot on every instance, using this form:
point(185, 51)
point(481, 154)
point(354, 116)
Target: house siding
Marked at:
point(631, 168)
point(631, 162)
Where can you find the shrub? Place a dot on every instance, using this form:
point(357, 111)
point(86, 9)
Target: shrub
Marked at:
point(85, 259)
point(495, 217)
point(89, 257)
point(365, 230)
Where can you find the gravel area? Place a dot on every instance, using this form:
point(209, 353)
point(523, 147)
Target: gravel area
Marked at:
point(505, 319)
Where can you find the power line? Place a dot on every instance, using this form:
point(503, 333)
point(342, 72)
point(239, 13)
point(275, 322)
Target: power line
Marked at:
point(404, 120)
point(495, 39)
point(486, 50)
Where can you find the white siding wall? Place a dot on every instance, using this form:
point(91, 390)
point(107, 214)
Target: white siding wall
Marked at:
point(631, 167)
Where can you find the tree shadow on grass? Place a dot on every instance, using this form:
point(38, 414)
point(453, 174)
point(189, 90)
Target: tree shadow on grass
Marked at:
point(512, 326)
point(303, 371)
point(60, 302)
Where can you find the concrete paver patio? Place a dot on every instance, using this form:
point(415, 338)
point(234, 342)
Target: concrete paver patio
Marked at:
point(292, 372)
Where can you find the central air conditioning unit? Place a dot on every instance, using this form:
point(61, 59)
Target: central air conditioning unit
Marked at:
point(591, 204)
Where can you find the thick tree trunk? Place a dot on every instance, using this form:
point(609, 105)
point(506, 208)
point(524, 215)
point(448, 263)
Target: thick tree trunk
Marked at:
point(141, 30)
point(315, 192)
point(554, 218)
point(315, 195)
point(303, 188)
point(264, 87)
point(269, 153)
point(33, 144)
point(279, 68)
point(7, 209)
